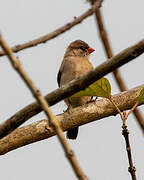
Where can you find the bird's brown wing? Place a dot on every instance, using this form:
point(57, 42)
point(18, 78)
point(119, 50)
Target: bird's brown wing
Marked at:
point(59, 78)
point(60, 72)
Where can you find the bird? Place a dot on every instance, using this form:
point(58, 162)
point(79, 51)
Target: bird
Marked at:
point(75, 63)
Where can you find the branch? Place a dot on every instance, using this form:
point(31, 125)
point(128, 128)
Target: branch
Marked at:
point(73, 87)
point(57, 32)
point(131, 168)
point(43, 103)
point(81, 115)
point(107, 46)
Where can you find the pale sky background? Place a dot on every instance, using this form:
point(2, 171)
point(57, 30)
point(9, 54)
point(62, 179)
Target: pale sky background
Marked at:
point(100, 147)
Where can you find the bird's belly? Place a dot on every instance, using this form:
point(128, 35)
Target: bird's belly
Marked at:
point(75, 69)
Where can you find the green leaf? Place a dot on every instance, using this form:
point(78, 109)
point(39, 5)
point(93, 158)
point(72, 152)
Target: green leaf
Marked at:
point(141, 96)
point(100, 88)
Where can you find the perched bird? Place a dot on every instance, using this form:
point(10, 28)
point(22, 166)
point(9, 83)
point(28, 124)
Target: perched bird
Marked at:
point(75, 63)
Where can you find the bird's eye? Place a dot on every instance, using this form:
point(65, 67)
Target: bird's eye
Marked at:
point(82, 48)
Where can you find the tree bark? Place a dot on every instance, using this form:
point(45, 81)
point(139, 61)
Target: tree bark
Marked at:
point(77, 117)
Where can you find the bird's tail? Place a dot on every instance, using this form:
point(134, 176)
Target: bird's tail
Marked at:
point(72, 133)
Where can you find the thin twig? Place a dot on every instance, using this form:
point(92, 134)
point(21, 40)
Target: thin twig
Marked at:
point(132, 109)
point(88, 113)
point(56, 32)
point(109, 53)
point(42, 101)
point(131, 169)
point(117, 108)
point(125, 133)
point(73, 87)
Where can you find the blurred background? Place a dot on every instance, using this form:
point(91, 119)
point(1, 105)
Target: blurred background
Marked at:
point(100, 147)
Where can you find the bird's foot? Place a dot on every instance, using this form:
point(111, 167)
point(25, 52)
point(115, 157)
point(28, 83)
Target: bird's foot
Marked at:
point(68, 110)
point(93, 99)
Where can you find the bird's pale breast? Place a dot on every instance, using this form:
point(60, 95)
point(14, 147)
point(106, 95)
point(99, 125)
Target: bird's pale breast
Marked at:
point(74, 67)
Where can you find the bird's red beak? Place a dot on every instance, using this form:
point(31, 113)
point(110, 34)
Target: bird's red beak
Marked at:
point(90, 50)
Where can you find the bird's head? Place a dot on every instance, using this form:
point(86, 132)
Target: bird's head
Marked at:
point(79, 48)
